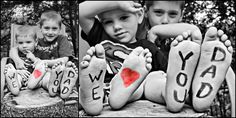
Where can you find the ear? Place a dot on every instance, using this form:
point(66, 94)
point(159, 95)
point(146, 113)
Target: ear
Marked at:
point(140, 15)
point(181, 17)
point(145, 11)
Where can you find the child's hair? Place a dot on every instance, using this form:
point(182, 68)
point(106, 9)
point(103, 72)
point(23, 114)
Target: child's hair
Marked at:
point(25, 31)
point(149, 3)
point(50, 15)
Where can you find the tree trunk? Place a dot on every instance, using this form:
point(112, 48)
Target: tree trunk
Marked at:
point(36, 103)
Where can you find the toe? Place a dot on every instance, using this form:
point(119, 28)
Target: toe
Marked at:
point(144, 52)
point(91, 51)
point(149, 66)
point(86, 58)
point(220, 33)
point(197, 36)
point(137, 51)
point(230, 49)
point(210, 34)
point(84, 64)
point(227, 43)
point(149, 60)
point(224, 37)
point(100, 52)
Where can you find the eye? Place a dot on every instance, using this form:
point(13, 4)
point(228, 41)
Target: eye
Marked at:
point(173, 14)
point(159, 12)
point(124, 18)
point(105, 22)
point(55, 28)
point(28, 42)
point(47, 28)
point(20, 42)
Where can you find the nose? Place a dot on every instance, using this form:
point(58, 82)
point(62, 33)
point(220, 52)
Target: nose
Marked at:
point(165, 19)
point(24, 45)
point(50, 31)
point(117, 26)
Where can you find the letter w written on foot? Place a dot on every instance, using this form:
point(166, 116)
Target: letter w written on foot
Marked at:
point(97, 78)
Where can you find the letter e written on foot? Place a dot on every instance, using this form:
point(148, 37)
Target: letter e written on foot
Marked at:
point(93, 94)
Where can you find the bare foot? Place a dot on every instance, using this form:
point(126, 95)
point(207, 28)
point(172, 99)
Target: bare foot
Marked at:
point(37, 75)
point(154, 87)
point(135, 68)
point(215, 59)
point(11, 78)
point(55, 78)
point(93, 69)
point(183, 58)
point(70, 75)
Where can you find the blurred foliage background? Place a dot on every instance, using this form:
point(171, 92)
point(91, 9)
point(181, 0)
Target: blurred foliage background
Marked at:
point(28, 12)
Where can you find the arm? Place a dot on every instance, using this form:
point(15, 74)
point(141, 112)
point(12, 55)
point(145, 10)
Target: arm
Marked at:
point(169, 30)
point(20, 64)
point(32, 57)
point(89, 9)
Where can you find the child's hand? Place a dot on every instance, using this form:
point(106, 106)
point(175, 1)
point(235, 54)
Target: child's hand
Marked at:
point(152, 36)
point(24, 74)
point(30, 56)
point(130, 6)
point(20, 64)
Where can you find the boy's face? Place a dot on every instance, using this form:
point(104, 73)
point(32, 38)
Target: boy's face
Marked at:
point(25, 44)
point(50, 30)
point(121, 25)
point(164, 12)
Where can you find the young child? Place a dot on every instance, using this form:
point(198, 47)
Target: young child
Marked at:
point(56, 51)
point(115, 30)
point(25, 41)
point(159, 14)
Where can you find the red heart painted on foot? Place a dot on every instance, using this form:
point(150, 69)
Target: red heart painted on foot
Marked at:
point(129, 76)
point(37, 73)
